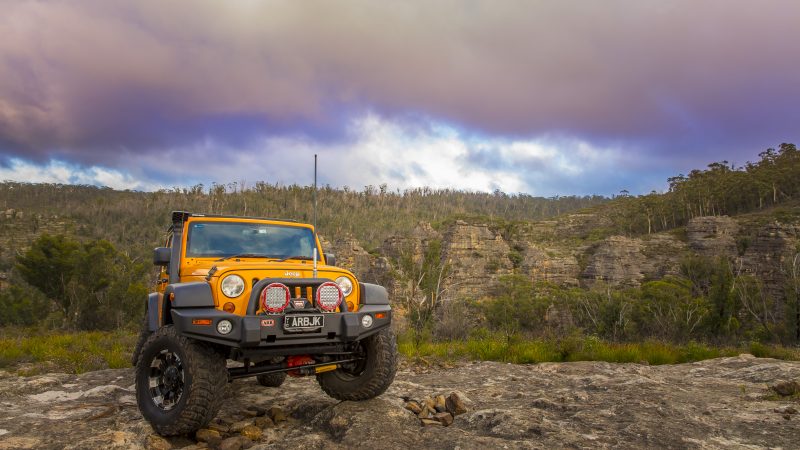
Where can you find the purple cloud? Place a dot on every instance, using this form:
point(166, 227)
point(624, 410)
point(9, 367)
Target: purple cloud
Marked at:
point(101, 82)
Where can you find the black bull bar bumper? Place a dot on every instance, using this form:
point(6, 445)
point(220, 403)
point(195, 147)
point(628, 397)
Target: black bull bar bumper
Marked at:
point(267, 330)
point(194, 315)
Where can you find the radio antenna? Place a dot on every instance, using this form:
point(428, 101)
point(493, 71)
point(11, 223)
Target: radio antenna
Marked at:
point(315, 217)
point(315, 193)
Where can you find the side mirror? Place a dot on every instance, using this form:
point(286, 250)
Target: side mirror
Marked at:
point(330, 259)
point(161, 256)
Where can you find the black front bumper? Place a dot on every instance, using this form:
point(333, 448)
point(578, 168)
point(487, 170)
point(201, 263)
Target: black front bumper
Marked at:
point(266, 330)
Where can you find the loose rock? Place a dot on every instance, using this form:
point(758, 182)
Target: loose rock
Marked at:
point(786, 388)
point(155, 442)
point(414, 407)
point(455, 405)
point(232, 443)
point(445, 418)
point(440, 403)
point(252, 432)
point(259, 411)
point(207, 435)
point(425, 412)
point(785, 410)
point(277, 414)
point(221, 429)
point(240, 425)
point(430, 423)
point(264, 422)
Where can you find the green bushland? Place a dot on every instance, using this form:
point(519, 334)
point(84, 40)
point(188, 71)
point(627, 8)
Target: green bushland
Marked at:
point(65, 283)
point(32, 351)
point(496, 347)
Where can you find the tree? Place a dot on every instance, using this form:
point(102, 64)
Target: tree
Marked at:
point(48, 266)
point(792, 273)
point(422, 284)
point(669, 310)
point(756, 304)
point(93, 285)
point(514, 309)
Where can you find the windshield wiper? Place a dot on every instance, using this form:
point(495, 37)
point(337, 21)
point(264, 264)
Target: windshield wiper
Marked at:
point(246, 255)
point(307, 258)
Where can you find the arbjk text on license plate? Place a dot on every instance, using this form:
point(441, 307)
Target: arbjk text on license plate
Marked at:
point(303, 322)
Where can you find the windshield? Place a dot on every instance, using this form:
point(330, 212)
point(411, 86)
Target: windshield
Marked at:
point(220, 239)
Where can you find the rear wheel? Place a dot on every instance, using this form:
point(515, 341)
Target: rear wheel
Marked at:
point(369, 377)
point(179, 382)
point(272, 379)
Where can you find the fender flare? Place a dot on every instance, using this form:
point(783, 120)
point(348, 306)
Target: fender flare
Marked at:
point(373, 294)
point(195, 294)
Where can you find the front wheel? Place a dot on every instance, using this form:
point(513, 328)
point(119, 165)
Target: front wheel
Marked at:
point(179, 382)
point(369, 377)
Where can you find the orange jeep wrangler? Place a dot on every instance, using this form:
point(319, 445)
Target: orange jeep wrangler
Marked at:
point(262, 293)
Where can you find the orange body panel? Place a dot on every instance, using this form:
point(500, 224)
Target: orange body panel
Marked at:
point(197, 269)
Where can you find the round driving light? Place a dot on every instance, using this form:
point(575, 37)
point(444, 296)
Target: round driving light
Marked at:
point(345, 285)
point(275, 298)
point(224, 326)
point(366, 321)
point(329, 296)
point(232, 286)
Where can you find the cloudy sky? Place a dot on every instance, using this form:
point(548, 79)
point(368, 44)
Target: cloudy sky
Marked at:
point(542, 97)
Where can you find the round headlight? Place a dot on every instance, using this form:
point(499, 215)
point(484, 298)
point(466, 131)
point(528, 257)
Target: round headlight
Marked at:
point(232, 286)
point(345, 285)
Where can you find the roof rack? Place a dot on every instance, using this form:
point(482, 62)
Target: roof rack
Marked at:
point(178, 217)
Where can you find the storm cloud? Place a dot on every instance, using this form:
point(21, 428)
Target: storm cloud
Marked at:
point(117, 84)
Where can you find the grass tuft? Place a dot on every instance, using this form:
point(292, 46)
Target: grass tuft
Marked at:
point(32, 352)
point(520, 351)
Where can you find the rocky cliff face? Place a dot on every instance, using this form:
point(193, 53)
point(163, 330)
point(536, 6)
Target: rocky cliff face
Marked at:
point(713, 236)
point(617, 261)
point(477, 257)
point(722, 403)
point(770, 255)
point(553, 251)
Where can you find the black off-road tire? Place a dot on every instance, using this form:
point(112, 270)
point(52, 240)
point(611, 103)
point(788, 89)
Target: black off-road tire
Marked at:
point(271, 379)
point(205, 380)
point(144, 333)
point(368, 378)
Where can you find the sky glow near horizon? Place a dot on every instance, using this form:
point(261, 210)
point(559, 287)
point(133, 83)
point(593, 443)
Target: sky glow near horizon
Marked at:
point(548, 98)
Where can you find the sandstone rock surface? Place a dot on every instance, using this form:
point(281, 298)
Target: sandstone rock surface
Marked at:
point(713, 235)
point(477, 256)
point(722, 403)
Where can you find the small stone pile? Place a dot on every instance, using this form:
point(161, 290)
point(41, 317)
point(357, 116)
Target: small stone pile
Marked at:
point(226, 434)
point(437, 410)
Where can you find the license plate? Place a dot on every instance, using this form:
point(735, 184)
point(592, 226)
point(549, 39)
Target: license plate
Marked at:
point(303, 322)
